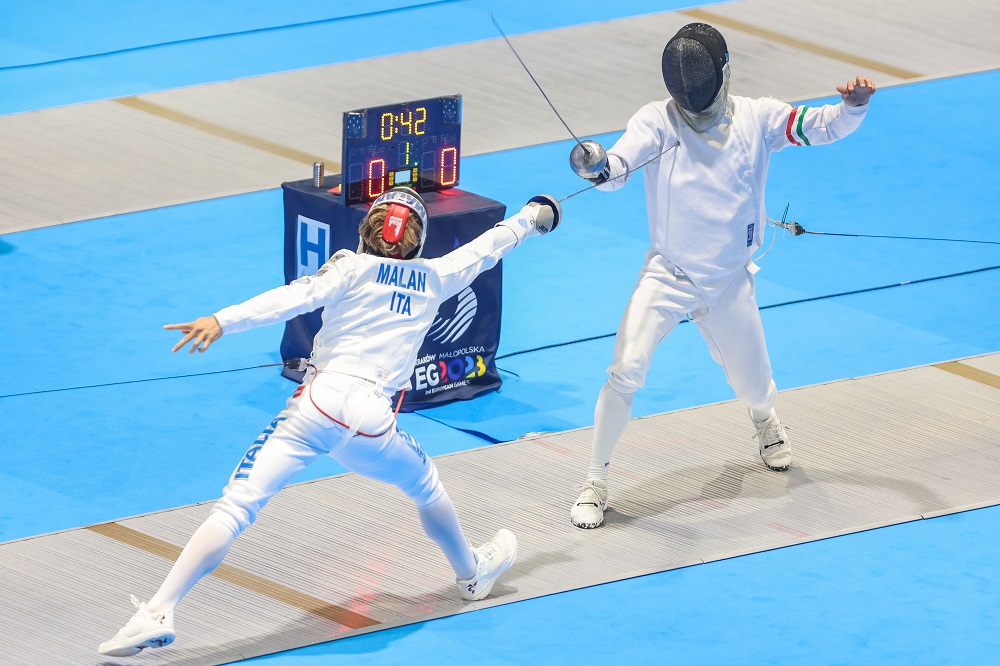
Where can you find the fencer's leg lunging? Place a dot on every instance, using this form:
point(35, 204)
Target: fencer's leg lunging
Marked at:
point(735, 336)
point(274, 458)
point(282, 451)
point(204, 552)
point(476, 571)
point(611, 416)
point(660, 300)
point(662, 297)
point(398, 459)
point(152, 626)
point(440, 523)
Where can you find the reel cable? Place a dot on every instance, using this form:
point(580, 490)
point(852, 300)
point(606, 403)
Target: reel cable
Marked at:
point(797, 229)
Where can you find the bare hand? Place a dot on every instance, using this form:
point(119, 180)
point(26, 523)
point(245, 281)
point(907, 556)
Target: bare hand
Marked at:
point(857, 93)
point(201, 333)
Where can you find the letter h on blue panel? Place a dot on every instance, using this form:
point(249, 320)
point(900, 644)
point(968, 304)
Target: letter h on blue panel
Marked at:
point(313, 242)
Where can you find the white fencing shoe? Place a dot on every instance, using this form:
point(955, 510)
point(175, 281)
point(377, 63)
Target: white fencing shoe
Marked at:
point(588, 512)
point(144, 630)
point(775, 449)
point(492, 559)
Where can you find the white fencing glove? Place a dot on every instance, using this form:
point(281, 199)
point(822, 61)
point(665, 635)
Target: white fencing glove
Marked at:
point(545, 210)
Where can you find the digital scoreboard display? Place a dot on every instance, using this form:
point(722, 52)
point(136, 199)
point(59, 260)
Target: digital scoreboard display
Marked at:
point(415, 144)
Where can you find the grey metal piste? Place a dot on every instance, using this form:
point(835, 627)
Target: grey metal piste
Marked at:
point(343, 555)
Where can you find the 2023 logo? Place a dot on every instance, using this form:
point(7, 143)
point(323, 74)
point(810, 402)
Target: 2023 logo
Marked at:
point(445, 371)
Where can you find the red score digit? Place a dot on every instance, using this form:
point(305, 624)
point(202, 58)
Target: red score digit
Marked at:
point(449, 166)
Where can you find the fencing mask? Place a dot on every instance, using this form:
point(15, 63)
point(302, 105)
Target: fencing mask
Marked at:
point(400, 202)
point(693, 66)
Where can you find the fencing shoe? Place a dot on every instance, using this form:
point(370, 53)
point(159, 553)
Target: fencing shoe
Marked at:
point(588, 512)
point(492, 559)
point(775, 449)
point(144, 630)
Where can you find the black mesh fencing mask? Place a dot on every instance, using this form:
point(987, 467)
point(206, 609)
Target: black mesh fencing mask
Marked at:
point(692, 65)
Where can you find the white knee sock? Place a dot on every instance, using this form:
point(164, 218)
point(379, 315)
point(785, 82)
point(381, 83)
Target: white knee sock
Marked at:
point(202, 554)
point(761, 415)
point(610, 418)
point(440, 522)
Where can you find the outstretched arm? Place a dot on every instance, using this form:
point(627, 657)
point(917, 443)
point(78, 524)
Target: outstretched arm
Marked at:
point(787, 125)
point(298, 297)
point(460, 267)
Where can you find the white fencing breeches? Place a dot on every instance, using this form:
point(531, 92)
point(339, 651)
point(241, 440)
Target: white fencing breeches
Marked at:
point(732, 328)
point(315, 423)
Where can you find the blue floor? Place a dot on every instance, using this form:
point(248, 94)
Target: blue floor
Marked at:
point(908, 594)
point(101, 421)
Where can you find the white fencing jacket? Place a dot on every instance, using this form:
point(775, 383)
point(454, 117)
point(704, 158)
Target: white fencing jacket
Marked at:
point(377, 310)
point(705, 198)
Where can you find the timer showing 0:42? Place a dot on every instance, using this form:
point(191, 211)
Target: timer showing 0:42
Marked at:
point(410, 123)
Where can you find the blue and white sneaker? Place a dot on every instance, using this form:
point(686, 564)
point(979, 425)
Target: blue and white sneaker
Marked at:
point(144, 630)
point(492, 559)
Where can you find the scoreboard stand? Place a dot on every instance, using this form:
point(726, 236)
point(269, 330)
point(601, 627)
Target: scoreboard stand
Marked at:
point(456, 359)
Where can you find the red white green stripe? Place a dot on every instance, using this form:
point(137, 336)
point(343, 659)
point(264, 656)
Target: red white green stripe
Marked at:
point(794, 127)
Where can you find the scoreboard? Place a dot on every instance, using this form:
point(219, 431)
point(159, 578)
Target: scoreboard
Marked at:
point(416, 144)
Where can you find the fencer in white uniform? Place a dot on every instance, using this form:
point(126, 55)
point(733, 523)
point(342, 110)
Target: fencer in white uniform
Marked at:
point(378, 305)
point(705, 157)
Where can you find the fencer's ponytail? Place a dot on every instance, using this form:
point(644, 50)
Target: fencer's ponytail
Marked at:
point(371, 234)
